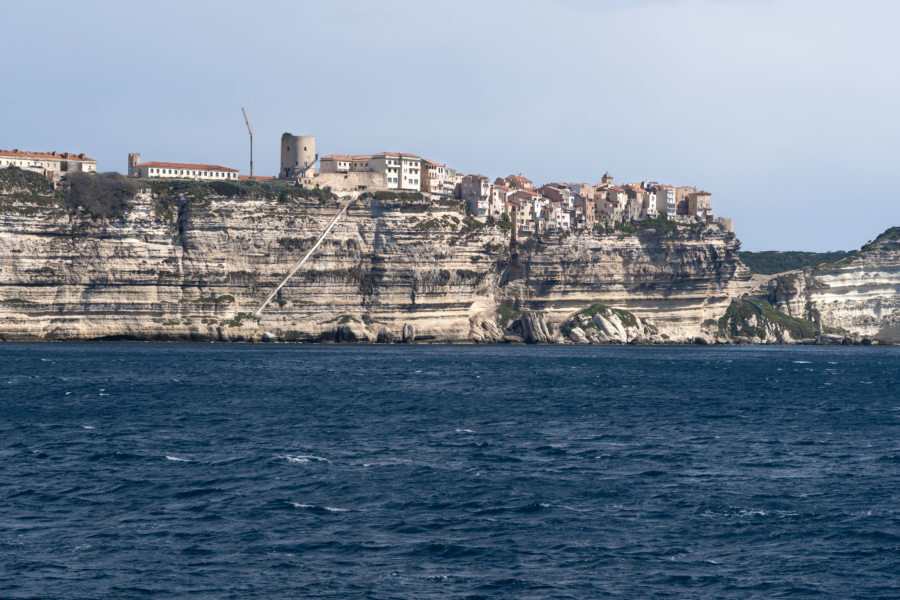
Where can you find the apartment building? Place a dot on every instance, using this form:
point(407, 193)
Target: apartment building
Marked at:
point(699, 204)
point(402, 171)
point(476, 191)
point(665, 201)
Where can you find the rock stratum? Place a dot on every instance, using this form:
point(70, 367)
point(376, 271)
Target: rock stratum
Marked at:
point(188, 263)
point(182, 265)
point(859, 296)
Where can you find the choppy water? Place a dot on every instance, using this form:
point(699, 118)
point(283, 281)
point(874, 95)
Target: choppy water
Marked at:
point(189, 471)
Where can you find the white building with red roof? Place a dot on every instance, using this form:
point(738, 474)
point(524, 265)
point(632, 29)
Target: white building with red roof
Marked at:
point(173, 170)
point(400, 171)
point(48, 163)
point(342, 163)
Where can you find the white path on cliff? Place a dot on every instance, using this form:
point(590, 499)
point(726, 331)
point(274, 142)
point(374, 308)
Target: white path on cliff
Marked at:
point(300, 263)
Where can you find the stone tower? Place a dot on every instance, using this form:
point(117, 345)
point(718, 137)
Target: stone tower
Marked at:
point(298, 156)
point(134, 159)
point(607, 179)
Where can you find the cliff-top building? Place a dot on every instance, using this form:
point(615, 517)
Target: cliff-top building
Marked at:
point(476, 191)
point(382, 171)
point(51, 164)
point(172, 170)
point(298, 156)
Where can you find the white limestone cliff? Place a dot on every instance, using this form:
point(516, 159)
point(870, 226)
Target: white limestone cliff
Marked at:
point(176, 267)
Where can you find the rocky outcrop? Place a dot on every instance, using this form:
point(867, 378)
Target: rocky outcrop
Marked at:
point(180, 264)
point(755, 321)
point(385, 336)
point(534, 328)
point(602, 324)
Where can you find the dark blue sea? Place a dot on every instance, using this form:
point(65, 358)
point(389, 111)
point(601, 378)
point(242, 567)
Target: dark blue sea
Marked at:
point(241, 471)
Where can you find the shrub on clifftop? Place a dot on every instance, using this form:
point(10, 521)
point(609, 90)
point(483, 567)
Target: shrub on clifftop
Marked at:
point(102, 195)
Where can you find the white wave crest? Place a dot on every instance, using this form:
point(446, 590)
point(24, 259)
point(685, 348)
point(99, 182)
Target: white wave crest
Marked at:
point(303, 458)
point(314, 507)
point(176, 459)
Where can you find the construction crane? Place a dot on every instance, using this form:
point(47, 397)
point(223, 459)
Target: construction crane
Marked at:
point(249, 129)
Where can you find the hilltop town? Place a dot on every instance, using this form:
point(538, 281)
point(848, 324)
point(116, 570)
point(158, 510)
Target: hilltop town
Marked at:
point(514, 201)
point(194, 251)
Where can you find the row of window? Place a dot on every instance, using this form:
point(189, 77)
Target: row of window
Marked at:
point(189, 173)
point(40, 165)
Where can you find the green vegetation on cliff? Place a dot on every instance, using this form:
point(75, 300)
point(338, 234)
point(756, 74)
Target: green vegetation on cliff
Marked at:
point(773, 261)
point(200, 190)
point(890, 235)
point(506, 315)
point(755, 318)
point(105, 195)
point(14, 178)
point(109, 195)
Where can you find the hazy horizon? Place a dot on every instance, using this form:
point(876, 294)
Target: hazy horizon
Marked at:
point(785, 111)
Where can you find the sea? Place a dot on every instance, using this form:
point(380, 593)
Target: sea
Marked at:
point(132, 470)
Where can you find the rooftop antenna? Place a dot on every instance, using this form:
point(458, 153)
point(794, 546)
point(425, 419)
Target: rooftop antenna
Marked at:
point(250, 129)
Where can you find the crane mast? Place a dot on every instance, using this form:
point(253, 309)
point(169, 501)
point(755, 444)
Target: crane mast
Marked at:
point(250, 130)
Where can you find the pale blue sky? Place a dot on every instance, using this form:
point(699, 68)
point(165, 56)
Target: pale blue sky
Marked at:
point(787, 111)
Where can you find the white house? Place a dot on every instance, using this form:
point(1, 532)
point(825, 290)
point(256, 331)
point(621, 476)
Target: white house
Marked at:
point(665, 201)
point(403, 171)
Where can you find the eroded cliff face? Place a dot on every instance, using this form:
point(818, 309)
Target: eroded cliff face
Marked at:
point(196, 269)
point(859, 295)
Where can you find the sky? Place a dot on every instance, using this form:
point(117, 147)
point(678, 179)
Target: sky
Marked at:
point(787, 111)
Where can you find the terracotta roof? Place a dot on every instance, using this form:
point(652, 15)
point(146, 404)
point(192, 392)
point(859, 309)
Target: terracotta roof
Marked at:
point(519, 178)
point(45, 155)
point(527, 193)
point(400, 154)
point(256, 177)
point(192, 166)
point(431, 162)
point(346, 158)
